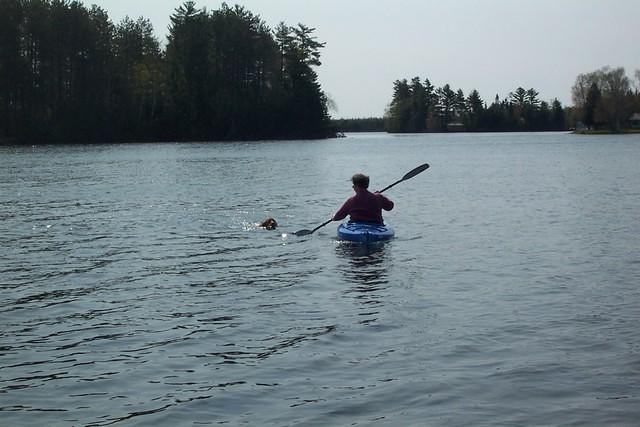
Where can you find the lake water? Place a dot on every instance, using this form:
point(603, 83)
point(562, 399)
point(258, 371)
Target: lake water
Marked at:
point(136, 289)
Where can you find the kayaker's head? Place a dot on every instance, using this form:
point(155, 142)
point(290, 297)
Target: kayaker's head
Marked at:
point(360, 181)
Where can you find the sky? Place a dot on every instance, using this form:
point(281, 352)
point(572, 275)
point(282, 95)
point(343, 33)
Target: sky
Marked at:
point(493, 46)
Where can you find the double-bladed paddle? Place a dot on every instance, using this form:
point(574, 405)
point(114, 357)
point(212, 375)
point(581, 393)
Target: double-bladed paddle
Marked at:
point(407, 176)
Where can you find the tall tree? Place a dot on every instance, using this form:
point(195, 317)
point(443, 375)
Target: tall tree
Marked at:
point(557, 116)
point(188, 72)
point(460, 106)
point(68, 74)
point(419, 106)
point(12, 66)
point(310, 105)
point(399, 113)
point(475, 106)
point(531, 98)
point(613, 106)
point(446, 105)
point(591, 103)
point(231, 77)
point(614, 103)
point(519, 97)
point(138, 86)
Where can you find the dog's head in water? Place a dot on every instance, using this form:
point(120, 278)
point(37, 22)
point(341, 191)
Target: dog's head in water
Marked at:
point(269, 224)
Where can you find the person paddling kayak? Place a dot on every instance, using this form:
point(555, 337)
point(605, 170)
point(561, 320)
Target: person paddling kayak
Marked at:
point(364, 206)
point(378, 211)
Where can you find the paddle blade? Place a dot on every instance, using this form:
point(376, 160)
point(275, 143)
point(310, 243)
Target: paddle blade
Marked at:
point(415, 171)
point(408, 175)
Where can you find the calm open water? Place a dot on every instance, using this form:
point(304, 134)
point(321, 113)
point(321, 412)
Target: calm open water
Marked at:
point(136, 289)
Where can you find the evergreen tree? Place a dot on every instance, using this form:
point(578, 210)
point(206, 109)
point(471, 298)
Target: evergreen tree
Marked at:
point(557, 116)
point(68, 74)
point(307, 108)
point(399, 113)
point(189, 68)
point(419, 106)
point(139, 79)
point(231, 77)
point(475, 106)
point(531, 98)
point(12, 67)
point(460, 106)
point(446, 106)
point(441, 108)
point(519, 97)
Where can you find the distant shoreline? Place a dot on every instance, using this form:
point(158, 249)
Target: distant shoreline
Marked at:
point(13, 142)
point(605, 132)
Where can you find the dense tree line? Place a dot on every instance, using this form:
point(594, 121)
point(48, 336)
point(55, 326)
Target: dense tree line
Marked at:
point(418, 106)
point(605, 99)
point(367, 124)
point(68, 74)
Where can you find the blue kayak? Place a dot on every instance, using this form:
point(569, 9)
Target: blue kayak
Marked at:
point(364, 232)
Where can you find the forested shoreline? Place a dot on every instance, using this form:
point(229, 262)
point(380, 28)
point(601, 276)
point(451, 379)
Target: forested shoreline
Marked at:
point(417, 106)
point(69, 74)
point(603, 100)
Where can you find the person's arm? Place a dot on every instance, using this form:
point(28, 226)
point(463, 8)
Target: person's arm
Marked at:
point(386, 204)
point(343, 211)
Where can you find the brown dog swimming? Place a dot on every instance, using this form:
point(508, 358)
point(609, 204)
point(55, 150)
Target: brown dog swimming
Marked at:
point(269, 224)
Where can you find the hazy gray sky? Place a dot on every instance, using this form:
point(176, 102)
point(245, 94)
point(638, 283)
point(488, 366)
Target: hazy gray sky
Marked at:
point(493, 46)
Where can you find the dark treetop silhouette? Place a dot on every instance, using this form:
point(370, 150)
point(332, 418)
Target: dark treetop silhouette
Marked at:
point(68, 74)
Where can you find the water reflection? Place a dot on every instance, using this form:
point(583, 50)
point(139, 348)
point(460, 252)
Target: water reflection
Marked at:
point(365, 267)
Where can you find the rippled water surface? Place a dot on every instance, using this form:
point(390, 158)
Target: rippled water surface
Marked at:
point(137, 290)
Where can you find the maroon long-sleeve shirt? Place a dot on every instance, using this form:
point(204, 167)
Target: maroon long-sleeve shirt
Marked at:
point(365, 206)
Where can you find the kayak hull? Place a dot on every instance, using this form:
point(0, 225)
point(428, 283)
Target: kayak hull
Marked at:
point(364, 232)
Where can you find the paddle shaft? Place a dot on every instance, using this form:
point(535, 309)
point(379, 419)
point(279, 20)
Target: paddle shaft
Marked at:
point(389, 186)
point(320, 226)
